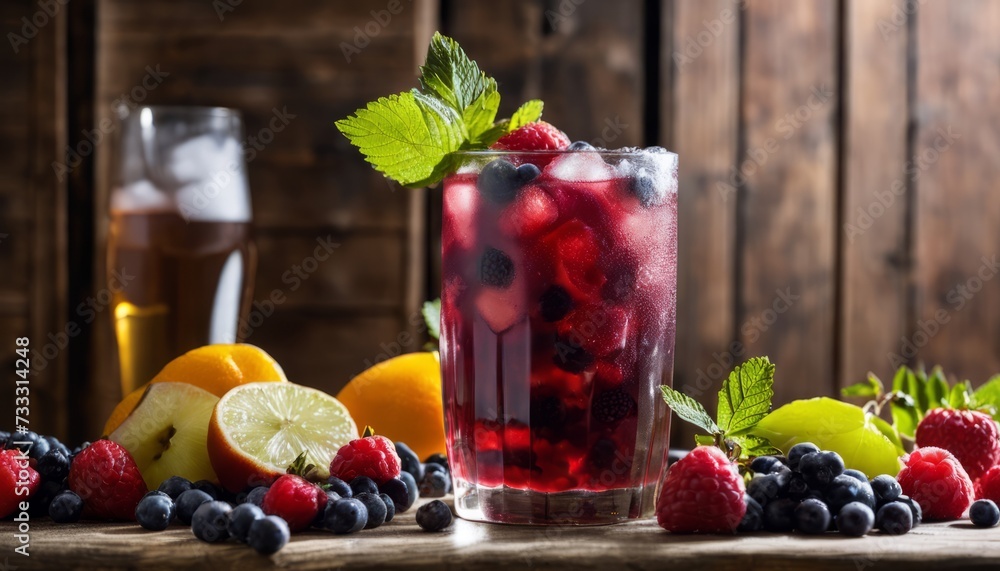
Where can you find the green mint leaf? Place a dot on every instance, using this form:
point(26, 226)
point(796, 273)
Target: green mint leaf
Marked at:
point(529, 112)
point(746, 395)
point(870, 388)
point(449, 75)
point(689, 409)
point(905, 416)
point(960, 396)
point(407, 137)
point(432, 317)
point(751, 446)
point(479, 115)
point(937, 390)
point(988, 396)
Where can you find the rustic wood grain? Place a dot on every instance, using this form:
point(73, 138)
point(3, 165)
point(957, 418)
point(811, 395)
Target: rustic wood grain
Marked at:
point(787, 204)
point(400, 544)
point(876, 192)
point(702, 112)
point(955, 232)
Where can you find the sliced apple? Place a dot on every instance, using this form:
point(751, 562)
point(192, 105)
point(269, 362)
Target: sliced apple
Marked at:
point(167, 433)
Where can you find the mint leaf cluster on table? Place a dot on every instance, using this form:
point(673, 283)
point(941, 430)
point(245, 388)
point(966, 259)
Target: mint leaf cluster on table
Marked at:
point(744, 400)
point(411, 137)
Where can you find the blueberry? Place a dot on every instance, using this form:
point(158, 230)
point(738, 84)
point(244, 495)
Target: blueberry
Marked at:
point(268, 535)
point(409, 461)
point(434, 468)
point(256, 495)
point(434, 485)
point(210, 521)
point(209, 488)
point(188, 502)
point(32, 444)
point(339, 486)
point(40, 501)
point(580, 146)
point(886, 489)
point(795, 453)
point(55, 444)
point(915, 509)
point(820, 468)
point(66, 507)
point(241, 519)
point(753, 520)
point(571, 357)
point(434, 516)
point(375, 507)
point(857, 475)
point(4, 438)
point(363, 484)
point(83, 446)
point(779, 515)
point(175, 486)
point(499, 181)
point(855, 519)
point(767, 487)
point(983, 513)
point(399, 491)
point(155, 511)
point(346, 516)
point(644, 188)
point(555, 303)
point(894, 518)
point(390, 507)
point(845, 489)
point(812, 516)
point(496, 269)
point(527, 173)
point(766, 465)
point(331, 497)
point(797, 488)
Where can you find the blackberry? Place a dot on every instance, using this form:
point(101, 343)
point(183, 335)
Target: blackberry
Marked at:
point(188, 502)
point(53, 466)
point(155, 511)
point(886, 489)
point(210, 521)
point(409, 461)
point(571, 357)
point(894, 518)
point(390, 506)
point(753, 519)
point(268, 535)
point(915, 509)
point(845, 489)
point(855, 519)
point(241, 519)
point(779, 515)
point(983, 513)
point(603, 453)
point(555, 303)
point(612, 406)
point(339, 486)
point(820, 468)
point(175, 486)
point(66, 507)
point(812, 517)
point(580, 146)
point(527, 173)
point(766, 465)
point(767, 487)
point(795, 453)
point(256, 495)
point(345, 516)
point(499, 181)
point(434, 516)
point(434, 485)
point(363, 484)
point(376, 509)
point(399, 491)
point(209, 488)
point(496, 269)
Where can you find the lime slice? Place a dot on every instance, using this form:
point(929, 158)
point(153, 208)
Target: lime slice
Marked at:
point(863, 440)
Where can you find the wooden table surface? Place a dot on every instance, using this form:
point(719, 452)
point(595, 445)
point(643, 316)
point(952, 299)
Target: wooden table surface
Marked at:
point(468, 545)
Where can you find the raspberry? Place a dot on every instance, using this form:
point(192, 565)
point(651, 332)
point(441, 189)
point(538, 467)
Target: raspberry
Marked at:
point(11, 463)
point(988, 486)
point(702, 492)
point(973, 437)
point(937, 481)
point(372, 456)
point(537, 136)
point(106, 477)
point(295, 500)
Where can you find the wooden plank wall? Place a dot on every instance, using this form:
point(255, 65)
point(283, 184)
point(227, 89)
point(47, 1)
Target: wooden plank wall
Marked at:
point(837, 165)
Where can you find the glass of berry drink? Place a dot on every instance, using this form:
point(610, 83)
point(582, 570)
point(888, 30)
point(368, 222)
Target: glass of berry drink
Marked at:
point(558, 304)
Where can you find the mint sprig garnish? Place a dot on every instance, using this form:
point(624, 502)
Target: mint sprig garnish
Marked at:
point(745, 399)
point(411, 137)
point(432, 317)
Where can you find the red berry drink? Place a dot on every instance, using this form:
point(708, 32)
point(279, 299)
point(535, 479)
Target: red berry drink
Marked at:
point(558, 304)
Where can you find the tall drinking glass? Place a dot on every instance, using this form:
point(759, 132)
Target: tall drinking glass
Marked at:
point(181, 259)
point(558, 304)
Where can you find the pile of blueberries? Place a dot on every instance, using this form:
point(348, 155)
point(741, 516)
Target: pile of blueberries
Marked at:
point(52, 460)
point(810, 491)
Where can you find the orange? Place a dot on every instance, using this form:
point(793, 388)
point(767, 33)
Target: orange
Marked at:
point(214, 368)
point(401, 399)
